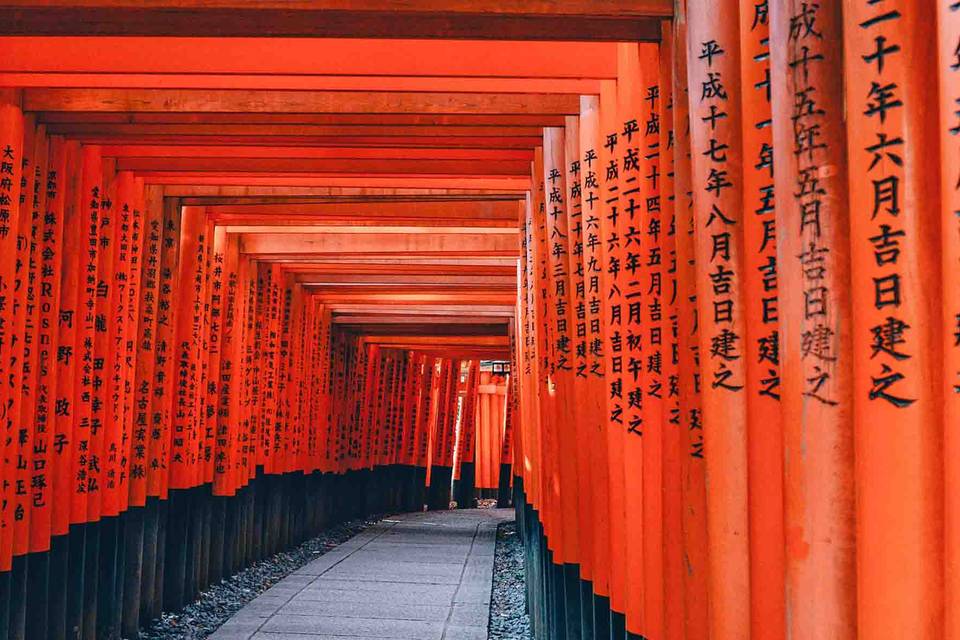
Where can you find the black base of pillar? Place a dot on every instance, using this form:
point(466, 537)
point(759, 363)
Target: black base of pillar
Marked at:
point(586, 610)
point(132, 571)
point(59, 578)
point(466, 493)
point(618, 625)
point(91, 580)
point(503, 490)
point(110, 537)
point(439, 491)
point(18, 599)
point(571, 600)
point(601, 617)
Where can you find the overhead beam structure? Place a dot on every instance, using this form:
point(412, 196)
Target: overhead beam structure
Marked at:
point(604, 20)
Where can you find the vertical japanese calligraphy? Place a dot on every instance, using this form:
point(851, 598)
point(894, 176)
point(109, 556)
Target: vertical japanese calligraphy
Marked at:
point(716, 152)
point(761, 346)
point(891, 132)
point(814, 310)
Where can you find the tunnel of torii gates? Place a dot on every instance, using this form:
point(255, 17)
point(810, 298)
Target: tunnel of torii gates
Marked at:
point(248, 276)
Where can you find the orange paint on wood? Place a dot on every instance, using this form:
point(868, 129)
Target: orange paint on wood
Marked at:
point(948, 23)
point(145, 443)
point(716, 154)
point(897, 337)
point(595, 413)
point(67, 347)
point(12, 146)
point(560, 319)
point(812, 219)
point(85, 441)
point(580, 349)
point(23, 360)
point(615, 343)
point(762, 340)
point(47, 449)
point(673, 436)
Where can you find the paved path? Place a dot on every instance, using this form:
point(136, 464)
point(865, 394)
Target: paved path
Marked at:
point(419, 576)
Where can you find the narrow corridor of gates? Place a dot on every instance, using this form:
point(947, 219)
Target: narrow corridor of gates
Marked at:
point(677, 279)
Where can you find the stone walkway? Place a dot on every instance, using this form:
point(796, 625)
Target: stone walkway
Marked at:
point(418, 576)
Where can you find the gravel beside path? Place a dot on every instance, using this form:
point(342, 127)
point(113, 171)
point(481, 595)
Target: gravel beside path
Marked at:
point(508, 616)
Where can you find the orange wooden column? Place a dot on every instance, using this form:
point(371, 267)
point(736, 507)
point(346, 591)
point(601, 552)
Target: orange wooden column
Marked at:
point(650, 235)
point(716, 153)
point(325, 443)
point(23, 360)
point(259, 275)
point(426, 404)
point(561, 322)
point(86, 452)
point(186, 350)
point(100, 471)
point(615, 340)
point(550, 458)
point(247, 463)
point(594, 404)
point(897, 344)
point(46, 459)
point(538, 272)
point(529, 383)
point(631, 192)
point(468, 421)
point(11, 168)
point(145, 341)
point(67, 348)
point(509, 426)
point(577, 301)
point(414, 381)
point(762, 339)
point(692, 465)
point(948, 23)
point(453, 396)
point(814, 311)
point(225, 339)
point(165, 370)
point(208, 386)
point(115, 462)
point(673, 435)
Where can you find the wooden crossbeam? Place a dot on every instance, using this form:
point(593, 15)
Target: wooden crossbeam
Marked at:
point(479, 212)
point(285, 82)
point(202, 128)
point(400, 261)
point(387, 299)
point(306, 57)
point(495, 183)
point(438, 341)
point(396, 322)
point(435, 269)
point(364, 166)
point(438, 310)
point(430, 142)
point(330, 119)
point(400, 279)
point(353, 153)
point(424, 227)
point(237, 195)
point(606, 20)
point(504, 244)
point(193, 100)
